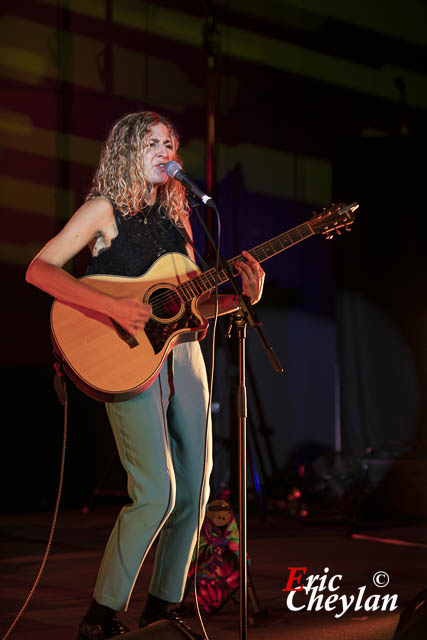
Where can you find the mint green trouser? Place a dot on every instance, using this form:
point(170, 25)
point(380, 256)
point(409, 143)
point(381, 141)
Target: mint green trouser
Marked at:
point(160, 436)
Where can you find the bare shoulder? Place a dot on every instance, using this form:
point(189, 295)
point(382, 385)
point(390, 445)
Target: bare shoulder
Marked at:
point(97, 212)
point(95, 217)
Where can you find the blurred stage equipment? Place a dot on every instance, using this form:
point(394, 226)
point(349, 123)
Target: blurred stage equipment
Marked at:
point(396, 482)
point(385, 483)
point(332, 488)
point(413, 620)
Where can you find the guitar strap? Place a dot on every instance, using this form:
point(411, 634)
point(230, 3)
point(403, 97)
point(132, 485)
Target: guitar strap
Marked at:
point(188, 240)
point(184, 233)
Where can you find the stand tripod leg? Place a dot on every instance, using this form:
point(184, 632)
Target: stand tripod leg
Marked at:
point(240, 324)
point(257, 611)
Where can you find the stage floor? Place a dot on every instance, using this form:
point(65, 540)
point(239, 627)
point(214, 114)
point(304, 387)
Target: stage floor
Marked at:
point(65, 588)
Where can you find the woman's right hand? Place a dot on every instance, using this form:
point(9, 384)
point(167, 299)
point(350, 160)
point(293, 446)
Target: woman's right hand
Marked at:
point(46, 270)
point(130, 313)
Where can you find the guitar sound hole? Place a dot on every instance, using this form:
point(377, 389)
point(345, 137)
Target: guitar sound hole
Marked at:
point(166, 303)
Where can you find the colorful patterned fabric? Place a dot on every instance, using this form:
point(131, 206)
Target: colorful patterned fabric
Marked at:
point(218, 565)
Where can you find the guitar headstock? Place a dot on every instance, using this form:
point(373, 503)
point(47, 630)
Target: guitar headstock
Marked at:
point(337, 217)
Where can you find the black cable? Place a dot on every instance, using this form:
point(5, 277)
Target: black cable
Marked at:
point(62, 394)
point(211, 378)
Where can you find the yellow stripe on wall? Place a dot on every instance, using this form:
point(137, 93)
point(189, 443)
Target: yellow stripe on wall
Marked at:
point(18, 254)
point(147, 16)
point(91, 8)
point(404, 20)
point(31, 197)
point(272, 172)
point(48, 53)
point(284, 174)
point(18, 132)
point(272, 52)
point(82, 66)
point(329, 69)
point(150, 80)
point(18, 64)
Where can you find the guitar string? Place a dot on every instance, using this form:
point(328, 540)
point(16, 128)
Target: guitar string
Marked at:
point(204, 282)
point(261, 252)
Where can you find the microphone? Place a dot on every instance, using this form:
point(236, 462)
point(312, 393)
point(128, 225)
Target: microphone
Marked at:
point(174, 170)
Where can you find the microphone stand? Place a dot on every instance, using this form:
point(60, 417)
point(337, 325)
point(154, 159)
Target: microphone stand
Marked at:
point(242, 317)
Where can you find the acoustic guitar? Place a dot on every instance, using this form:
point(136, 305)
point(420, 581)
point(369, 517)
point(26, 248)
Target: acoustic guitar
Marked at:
point(108, 363)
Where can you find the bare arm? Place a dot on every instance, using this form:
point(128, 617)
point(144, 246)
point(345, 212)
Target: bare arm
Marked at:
point(46, 270)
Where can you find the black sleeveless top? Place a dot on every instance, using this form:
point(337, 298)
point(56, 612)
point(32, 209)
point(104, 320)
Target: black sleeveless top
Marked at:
point(141, 239)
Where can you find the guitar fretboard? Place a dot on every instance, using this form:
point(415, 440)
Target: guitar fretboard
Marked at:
point(208, 280)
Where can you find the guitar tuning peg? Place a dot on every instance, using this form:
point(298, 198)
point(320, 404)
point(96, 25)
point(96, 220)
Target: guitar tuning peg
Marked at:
point(338, 232)
point(347, 227)
point(329, 236)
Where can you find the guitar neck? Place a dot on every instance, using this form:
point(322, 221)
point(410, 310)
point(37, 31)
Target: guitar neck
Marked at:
point(209, 279)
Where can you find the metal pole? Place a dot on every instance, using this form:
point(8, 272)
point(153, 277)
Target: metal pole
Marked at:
point(242, 416)
point(211, 43)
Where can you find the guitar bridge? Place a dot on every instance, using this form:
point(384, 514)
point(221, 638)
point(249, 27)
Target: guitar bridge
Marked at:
point(127, 337)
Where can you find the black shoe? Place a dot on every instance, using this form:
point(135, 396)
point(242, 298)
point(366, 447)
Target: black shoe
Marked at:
point(173, 618)
point(108, 629)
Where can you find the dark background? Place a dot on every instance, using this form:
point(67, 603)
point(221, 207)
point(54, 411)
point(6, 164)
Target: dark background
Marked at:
point(312, 105)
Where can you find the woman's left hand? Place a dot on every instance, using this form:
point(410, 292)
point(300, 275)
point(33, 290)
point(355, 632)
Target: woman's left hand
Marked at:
point(252, 277)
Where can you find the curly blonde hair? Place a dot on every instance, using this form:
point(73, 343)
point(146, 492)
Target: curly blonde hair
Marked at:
point(120, 173)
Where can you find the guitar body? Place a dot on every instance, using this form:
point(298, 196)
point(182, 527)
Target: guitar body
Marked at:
point(109, 364)
point(103, 360)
